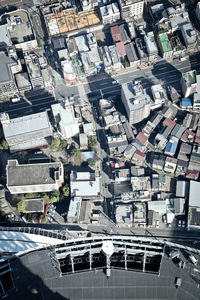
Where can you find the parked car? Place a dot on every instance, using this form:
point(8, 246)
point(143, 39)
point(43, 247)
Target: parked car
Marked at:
point(183, 223)
point(179, 223)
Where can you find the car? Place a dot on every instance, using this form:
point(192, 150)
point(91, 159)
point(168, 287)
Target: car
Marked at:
point(183, 223)
point(164, 218)
point(179, 223)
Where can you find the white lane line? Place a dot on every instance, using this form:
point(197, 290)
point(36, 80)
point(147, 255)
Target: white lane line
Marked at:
point(163, 68)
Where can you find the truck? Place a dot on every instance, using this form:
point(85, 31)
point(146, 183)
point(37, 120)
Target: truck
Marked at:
point(15, 99)
point(193, 259)
point(178, 282)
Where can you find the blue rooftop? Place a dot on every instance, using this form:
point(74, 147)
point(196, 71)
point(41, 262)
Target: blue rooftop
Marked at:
point(171, 148)
point(186, 102)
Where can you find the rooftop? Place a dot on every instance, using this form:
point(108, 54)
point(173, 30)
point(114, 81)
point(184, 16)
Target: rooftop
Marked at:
point(34, 205)
point(135, 94)
point(27, 124)
point(166, 46)
point(6, 63)
point(69, 20)
point(31, 174)
point(194, 200)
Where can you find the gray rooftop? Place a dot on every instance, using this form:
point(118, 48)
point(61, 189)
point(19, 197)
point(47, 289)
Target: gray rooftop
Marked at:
point(6, 63)
point(27, 125)
point(4, 36)
point(131, 53)
point(31, 174)
point(194, 200)
point(136, 96)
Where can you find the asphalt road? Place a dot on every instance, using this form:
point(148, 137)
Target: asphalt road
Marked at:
point(162, 72)
point(37, 101)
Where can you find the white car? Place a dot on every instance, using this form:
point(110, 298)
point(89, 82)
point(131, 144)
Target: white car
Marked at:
point(179, 223)
point(183, 223)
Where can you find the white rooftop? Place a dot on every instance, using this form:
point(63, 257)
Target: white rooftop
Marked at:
point(84, 184)
point(194, 200)
point(27, 124)
point(66, 113)
point(74, 207)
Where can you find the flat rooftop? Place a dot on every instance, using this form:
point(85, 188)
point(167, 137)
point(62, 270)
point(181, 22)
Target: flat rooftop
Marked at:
point(68, 20)
point(31, 174)
point(27, 124)
point(166, 46)
point(35, 272)
point(23, 29)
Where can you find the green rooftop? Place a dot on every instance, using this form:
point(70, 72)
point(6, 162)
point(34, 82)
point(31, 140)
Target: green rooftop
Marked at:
point(165, 42)
point(192, 77)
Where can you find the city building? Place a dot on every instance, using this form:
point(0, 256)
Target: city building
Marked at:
point(8, 87)
point(34, 70)
point(74, 210)
point(84, 184)
point(142, 50)
point(109, 13)
point(194, 206)
point(159, 95)
point(182, 188)
point(68, 70)
point(33, 178)
point(19, 30)
point(189, 36)
point(165, 45)
point(122, 174)
point(171, 146)
point(170, 164)
point(124, 215)
point(188, 83)
point(28, 132)
point(131, 9)
point(151, 46)
point(83, 141)
point(58, 20)
point(133, 59)
point(139, 214)
point(23, 82)
point(66, 123)
point(136, 101)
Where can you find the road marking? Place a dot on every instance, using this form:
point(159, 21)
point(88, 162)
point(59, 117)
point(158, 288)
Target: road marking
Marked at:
point(163, 68)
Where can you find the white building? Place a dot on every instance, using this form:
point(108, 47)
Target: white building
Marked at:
point(151, 46)
point(74, 210)
point(67, 124)
point(188, 83)
point(109, 13)
point(84, 184)
point(131, 9)
point(136, 102)
point(68, 70)
point(124, 215)
point(33, 178)
point(159, 95)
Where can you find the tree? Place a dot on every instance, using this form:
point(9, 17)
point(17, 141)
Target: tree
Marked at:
point(92, 141)
point(55, 196)
point(91, 163)
point(21, 206)
point(4, 145)
point(126, 64)
point(66, 190)
point(55, 145)
point(63, 144)
point(75, 152)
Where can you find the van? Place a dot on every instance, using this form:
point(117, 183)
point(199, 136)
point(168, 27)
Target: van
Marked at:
point(193, 260)
point(173, 254)
point(15, 99)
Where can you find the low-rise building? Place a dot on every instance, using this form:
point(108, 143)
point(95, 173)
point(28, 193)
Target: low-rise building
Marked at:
point(33, 178)
point(124, 215)
point(74, 210)
point(159, 95)
point(23, 82)
point(109, 13)
point(165, 45)
point(28, 132)
point(139, 157)
point(186, 103)
point(131, 9)
point(151, 46)
point(34, 70)
point(65, 121)
point(194, 206)
point(33, 206)
point(158, 162)
point(139, 214)
point(171, 146)
point(189, 36)
point(188, 83)
point(83, 141)
point(182, 188)
point(142, 50)
point(133, 59)
point(170, 164)
point(84, 184)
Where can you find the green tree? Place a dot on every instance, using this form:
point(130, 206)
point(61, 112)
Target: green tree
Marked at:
point(63, 144)
point(4, 145)
point(92, 141)
point(91, 163)
point(66, 190)
point(55, 145)
point(21, 206)
point(55, 196)
point(75, 152)
point(126, 64)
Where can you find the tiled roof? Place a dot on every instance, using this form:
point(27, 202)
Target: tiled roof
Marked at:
point(142, 138)
point(168, 122)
